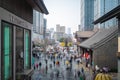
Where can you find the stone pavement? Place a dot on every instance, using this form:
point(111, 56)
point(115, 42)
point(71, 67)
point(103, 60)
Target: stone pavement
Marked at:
point(40, 73)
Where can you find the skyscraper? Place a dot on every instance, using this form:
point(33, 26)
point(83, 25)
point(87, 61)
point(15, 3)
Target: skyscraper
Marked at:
point(45, 27)
point(38, 22)
point(101, 7)
point(60, 28)
point(87, 14)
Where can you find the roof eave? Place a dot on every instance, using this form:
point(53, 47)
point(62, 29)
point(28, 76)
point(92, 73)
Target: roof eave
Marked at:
point(38, 5)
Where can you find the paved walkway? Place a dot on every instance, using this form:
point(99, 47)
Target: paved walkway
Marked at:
point(41, 74)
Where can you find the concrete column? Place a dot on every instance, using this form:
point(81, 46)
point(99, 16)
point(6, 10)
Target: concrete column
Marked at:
point(14, 53)
point(31, 48)
point(118, 48)
point(24, 50)
point(0, 49)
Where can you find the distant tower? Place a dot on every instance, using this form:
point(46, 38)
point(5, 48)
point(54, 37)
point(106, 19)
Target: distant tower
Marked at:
point(69, 31)
point(87, 14)
point(60, 28)
point(45, 27)
point(38, 22)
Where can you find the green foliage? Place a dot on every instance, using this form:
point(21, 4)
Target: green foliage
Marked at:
point(61, 39)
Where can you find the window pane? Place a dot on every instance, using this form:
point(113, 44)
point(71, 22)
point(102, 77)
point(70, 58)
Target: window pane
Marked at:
point(7, 51)
point(19, 49)
point(27, 49)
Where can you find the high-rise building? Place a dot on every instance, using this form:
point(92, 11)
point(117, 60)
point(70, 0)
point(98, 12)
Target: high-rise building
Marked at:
point(38, 22)
point(80, 28)
point(69, 31)
point(45, 27)
point(60, 28)
point(101, 7)
point(52, 32)
point(60, 31)
point(87, 14)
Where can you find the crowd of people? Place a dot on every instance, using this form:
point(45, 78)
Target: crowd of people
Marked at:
point(57, 57)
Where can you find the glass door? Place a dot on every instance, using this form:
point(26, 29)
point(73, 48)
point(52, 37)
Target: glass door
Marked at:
point(19, 49)
point(6, 51)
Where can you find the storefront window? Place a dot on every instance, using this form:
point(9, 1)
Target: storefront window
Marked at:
point(19, 49)
point(6, 51)
point(27, 54)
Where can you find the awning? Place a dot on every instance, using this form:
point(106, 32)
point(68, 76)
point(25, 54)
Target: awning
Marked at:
point(113, 13)
point(38, 5)
point(100, 38)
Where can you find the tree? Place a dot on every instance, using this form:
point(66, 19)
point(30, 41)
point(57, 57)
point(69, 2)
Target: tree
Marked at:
point(61, 39)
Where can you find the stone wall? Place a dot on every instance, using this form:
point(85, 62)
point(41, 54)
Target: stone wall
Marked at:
point(105, 55)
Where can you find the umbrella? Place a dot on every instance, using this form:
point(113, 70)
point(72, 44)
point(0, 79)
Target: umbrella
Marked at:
point(67, 62)
point(103, 76)
point(79, 59)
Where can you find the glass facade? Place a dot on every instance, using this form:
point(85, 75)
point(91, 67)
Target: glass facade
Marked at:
point(102, 7)
point(87, 14)
point(6, 51)
point(38, 22)
point(21, 41)
point(27, 50)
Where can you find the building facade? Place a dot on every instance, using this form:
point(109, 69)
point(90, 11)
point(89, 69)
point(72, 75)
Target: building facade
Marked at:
point(39, 27)
point(60, 28)
point(45, 27)
point(16, 19)
point(101, 7)
point(87, 14)
point(112, 13)
point(38, 22)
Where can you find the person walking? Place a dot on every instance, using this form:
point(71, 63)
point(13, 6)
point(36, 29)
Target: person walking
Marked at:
point(36, 65)
point(57, 74)
point(50, 66)
point(82, 76)
point(46, 69)
point(75, 75)
point(54, 63)
point(51, 76)
point(46, 61)
point(82, 70)
point(40, 64)
point(78, 73)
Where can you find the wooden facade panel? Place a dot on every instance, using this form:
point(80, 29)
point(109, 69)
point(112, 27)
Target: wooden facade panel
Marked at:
point(18, 7)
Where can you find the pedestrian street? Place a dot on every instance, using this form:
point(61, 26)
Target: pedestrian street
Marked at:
point(51, 73)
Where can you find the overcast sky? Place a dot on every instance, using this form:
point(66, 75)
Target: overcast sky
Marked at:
point(63, 12)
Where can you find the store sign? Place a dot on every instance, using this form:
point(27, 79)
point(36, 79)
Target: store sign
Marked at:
point(17, 21)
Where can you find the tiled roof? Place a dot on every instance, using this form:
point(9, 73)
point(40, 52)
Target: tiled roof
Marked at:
point(85, 34)
point(100, 38)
